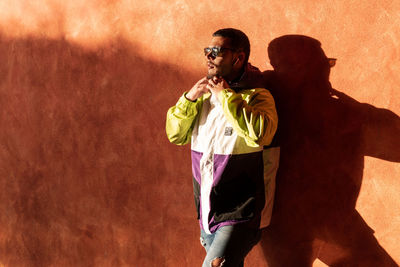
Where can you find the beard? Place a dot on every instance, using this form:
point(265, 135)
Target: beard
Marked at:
point(214, 72)
point(210, 76)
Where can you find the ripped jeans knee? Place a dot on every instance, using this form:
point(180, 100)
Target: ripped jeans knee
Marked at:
point(228, 246)
point(218, 262)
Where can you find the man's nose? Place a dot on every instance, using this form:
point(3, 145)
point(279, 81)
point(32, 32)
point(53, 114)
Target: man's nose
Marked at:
point(209, 55)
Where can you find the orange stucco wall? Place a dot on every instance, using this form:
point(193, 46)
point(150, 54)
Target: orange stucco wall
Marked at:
point(87, 176)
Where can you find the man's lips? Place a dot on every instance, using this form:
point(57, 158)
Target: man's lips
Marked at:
point(210, 65)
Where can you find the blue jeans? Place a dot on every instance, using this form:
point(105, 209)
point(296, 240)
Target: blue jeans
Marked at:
point(232, 243)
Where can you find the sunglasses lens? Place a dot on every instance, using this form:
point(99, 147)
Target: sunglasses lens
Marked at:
point(215, 51)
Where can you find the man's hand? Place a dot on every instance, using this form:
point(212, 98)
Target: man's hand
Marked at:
point(216, 85)
point(199, 89)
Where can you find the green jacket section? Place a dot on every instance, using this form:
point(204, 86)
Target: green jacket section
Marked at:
point(251, 112)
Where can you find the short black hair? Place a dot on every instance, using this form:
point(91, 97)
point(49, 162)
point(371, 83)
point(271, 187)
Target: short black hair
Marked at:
point(238, 40)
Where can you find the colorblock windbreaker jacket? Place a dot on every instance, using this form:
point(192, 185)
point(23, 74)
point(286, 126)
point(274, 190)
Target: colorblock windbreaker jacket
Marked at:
point(227, 135)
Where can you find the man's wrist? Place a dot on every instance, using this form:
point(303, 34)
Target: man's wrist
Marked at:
point(189, 98)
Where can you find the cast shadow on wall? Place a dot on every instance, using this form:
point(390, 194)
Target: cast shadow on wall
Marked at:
point(85, 166)
point(324, 136)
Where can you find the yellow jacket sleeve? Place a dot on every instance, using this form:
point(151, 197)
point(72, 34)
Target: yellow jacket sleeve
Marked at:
point(181, 119)
point(252, 114)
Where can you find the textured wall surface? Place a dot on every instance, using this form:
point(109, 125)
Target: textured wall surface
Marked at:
point(88, 178)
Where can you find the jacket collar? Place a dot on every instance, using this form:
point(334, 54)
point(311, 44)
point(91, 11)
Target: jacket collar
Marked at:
point(251, 78)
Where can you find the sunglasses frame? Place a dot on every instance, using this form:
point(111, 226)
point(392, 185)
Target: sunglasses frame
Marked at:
point(216, 50)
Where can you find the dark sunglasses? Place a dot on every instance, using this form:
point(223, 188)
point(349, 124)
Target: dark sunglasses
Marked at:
point(216, 50)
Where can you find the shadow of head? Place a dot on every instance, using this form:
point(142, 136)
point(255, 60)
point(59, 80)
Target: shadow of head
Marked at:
point(298, 60)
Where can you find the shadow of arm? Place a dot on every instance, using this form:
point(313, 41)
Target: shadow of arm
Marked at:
point(380, 128)
point(381, 133)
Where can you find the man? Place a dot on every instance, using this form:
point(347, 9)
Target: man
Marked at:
point(228, 127)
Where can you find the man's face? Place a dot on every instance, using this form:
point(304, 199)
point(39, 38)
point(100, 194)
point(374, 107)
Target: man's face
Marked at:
point(221, 64)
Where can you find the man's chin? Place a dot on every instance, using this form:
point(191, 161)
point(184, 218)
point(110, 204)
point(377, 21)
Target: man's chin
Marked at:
point(211, 75)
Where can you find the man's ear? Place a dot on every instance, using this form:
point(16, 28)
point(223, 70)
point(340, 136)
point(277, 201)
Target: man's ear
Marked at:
point(240, 58)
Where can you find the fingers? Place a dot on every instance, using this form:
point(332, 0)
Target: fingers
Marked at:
point(210, 86)
point(201, 84)
point(202, 81)
point(198, 90)
point(215, 85)
point(213, 82)
point(216, 79)
point(206, 85)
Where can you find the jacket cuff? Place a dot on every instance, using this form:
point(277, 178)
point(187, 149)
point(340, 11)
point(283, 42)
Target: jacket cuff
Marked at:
point(186, 106)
